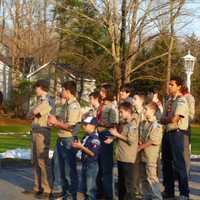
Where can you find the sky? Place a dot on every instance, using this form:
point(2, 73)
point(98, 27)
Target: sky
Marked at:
point(188, 24)
point(192, 19)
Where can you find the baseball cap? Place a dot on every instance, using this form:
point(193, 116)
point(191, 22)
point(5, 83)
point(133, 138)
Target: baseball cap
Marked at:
point(90, 120)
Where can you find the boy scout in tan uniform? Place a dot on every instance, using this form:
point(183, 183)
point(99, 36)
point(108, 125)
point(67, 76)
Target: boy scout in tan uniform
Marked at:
point(187, 139)
point(150, 133)
point(126, 151)
point(138, 115)
point(65, 181)
point(41, 141)
point(176, 120)
point(70, 114)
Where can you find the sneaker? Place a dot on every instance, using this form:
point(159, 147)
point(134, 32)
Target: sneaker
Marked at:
point(32, 192)
point(183, 198)
point(138, 197)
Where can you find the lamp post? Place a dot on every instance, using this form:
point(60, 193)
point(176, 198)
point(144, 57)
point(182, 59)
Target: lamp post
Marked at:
point(189, 62)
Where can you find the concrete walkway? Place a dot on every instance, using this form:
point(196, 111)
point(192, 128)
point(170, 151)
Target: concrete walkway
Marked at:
point(14, 180)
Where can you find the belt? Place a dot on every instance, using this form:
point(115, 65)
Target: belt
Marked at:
point(40, 129)
point(178, 130)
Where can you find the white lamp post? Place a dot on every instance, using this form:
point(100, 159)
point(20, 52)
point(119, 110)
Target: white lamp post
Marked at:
point(189, 62)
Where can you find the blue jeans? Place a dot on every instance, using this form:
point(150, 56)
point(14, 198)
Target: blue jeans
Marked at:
point(88, 180)
point(174, 163)
point(105, 176)
point(65, 178)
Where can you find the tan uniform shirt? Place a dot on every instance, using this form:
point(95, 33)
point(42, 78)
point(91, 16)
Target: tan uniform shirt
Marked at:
point(70, 114)
point(177, 106)
point(151, 130)
point(43, 109)
point(159, 111)
point(191, 105)
point(138, 114)
point(127, 151)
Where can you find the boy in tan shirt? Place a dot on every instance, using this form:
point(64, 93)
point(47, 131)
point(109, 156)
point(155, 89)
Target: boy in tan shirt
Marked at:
point(127, 142)
point(150, 137)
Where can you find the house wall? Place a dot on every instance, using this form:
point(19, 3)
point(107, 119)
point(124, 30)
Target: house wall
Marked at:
point(5, 79)
point(88, 87)
point(48, 73)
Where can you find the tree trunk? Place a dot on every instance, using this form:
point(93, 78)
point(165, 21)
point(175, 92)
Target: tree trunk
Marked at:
point(123, 43)
point(117, 76)
point(169, 59)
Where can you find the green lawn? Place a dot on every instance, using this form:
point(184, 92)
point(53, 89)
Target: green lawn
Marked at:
point(22, 140)
point(15, 128)
point(196, 140)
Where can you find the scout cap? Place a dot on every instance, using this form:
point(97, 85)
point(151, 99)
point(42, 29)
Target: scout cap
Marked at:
point(90, 120)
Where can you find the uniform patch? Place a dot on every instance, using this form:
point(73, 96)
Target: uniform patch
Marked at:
point(181, 101)
point(74, 106)
point(157, 125)
point(132, 129)
point(95, 142)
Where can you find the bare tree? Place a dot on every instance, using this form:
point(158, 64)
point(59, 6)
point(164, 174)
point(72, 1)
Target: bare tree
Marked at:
point(174, 10)
point(131, 26)
point(29, 34)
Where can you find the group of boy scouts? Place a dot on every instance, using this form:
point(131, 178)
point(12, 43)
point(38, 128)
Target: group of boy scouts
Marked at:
point(134, 131)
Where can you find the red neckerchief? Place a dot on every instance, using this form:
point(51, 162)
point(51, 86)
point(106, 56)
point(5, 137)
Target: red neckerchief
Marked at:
point(159, 103)
point(170, 102)
point(169, 106)
point(99, 112)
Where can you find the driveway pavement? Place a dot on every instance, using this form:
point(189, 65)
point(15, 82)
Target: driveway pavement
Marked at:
point(14, 180)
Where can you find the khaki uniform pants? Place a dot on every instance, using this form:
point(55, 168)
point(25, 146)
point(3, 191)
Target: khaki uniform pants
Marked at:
point(136, 177)
point(150, 181)
point(41, 162)
point(187, 154)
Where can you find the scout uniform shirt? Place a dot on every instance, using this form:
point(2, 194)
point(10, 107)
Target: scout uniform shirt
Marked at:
point(159, 111)
point(150, 130)
point(43, 106)
point(93, 144)
point(191, 105)
point(70, 114)
point(127, 151)
point(177, 106)
point(138, 114)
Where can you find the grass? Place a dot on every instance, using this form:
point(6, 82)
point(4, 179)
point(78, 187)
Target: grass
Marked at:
point(15, 128)
point(22, 140)
point(195, 140)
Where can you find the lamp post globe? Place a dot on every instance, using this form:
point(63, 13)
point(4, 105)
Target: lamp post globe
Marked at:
point(189, 62)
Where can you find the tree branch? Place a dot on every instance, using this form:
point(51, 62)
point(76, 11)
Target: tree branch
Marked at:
point(147, 61)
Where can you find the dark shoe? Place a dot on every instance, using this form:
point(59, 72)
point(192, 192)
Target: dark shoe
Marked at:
point(165, 195)
point(43, 195)
point(168, 197)
point(100, 196)
point(57, 195)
